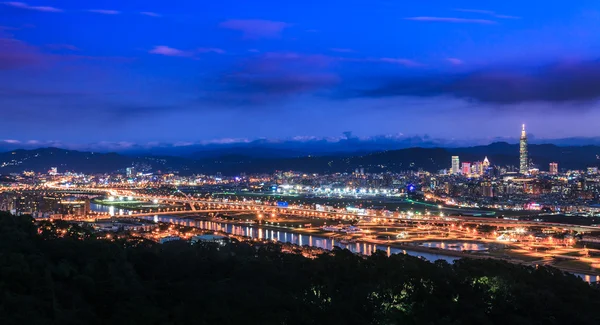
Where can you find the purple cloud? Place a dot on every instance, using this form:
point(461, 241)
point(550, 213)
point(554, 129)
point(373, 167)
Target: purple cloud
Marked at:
point(341, 50)
point(63, 47)
point(23, 5)
point(404, 62)
point(256, 28)
point(210, 50)
point(273, 76)
point(570, 82)
point(452, 20)
point(15, 54)
point(169, 51)
point(104, 11)
point(149, 14)
point(487, 12)
point(455, 61)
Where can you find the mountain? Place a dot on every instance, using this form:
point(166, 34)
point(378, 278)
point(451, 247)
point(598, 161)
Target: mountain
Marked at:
point(232, 162)
point(41, 160)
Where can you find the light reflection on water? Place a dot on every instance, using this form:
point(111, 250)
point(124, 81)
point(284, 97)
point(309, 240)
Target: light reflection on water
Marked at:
point(107, 208)
point(460, 246)
point(315, 241)
point(298, 239)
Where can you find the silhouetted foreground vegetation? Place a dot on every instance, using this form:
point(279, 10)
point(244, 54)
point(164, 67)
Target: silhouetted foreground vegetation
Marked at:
point(81, 280)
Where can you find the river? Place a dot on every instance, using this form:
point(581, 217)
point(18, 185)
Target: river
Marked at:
point(254, 231)
point(284, 236)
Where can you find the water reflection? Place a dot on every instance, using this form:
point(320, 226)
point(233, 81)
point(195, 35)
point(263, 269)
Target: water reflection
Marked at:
point(321, 242)
point(455, 246)
point(298, 239)
point(111, 210)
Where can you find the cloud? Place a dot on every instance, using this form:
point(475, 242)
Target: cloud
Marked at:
point(342, 50)
point(210, 50)
point(398, 61)
point(104, 11)
point(23, 5)
point(149, 14)
point(555, 83)
point(452, 20)
point(169, 51)
point(256, 28)
point(15, 54)
point(63, 47)
point(404, 62)
point(487, 12)
point(274, 75)
point(455, 61)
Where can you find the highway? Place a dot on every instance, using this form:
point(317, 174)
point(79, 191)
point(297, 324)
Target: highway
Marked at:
point(199, 206)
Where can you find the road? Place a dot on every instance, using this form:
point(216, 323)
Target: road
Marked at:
point(208, 206)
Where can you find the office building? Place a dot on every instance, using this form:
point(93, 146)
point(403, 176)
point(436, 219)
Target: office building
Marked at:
point(455, 165)
point(466, 168)
point(523, 155)
point(553, 168)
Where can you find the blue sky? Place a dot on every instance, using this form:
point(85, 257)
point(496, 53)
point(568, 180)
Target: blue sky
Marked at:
point(192, 71)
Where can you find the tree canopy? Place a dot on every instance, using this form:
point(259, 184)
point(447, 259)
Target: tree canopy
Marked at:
point(77, 279)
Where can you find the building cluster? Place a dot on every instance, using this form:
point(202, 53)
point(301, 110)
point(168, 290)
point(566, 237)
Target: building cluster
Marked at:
point(44, 204)
point(466, 183)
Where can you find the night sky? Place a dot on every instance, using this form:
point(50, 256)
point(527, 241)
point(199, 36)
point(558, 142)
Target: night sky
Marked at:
point(195, 71)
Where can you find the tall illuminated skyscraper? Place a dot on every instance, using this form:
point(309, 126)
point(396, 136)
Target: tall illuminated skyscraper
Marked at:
point(523, 157)
point(466, 168)
point(455, 165)
point(553, 168)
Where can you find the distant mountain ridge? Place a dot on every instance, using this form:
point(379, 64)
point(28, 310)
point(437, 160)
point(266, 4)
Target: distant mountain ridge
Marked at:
point(347, 144)
point(232, 162)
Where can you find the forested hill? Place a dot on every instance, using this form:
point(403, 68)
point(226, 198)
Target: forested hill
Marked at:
point(429, 159)
point(80, 280)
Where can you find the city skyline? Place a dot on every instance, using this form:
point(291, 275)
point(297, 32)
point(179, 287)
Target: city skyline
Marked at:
point(225, 70)
point(299, 162)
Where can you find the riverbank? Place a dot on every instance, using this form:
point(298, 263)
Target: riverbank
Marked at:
point(504, 254)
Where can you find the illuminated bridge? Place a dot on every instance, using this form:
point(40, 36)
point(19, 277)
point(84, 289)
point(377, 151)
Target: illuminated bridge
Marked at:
point(201, 206)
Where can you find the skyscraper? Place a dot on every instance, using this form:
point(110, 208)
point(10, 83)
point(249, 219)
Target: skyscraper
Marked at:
point(486, 164)
point(523, 158)
point(466, 168)
point(553, 168)
point(455, 165)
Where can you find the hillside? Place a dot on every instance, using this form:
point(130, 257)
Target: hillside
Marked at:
point(234, 162)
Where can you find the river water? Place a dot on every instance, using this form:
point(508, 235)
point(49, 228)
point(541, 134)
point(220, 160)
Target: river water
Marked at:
point(284, 236)
point(111, 210)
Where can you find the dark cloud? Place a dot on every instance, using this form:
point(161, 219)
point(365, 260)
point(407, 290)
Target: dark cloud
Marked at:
point(558, 83)
point(272, 76)
point(15, 54)
point(256, 28)
point(457, 20)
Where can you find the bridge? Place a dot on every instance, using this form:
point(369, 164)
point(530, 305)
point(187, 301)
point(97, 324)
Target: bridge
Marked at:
point(201, 206)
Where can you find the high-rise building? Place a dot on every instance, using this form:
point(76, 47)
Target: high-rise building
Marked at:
point(129, 171)
point(523, 157)
point(466, 168)
point(553, 168)
point(455, 165)
point(486, 164)
point(477, 168)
